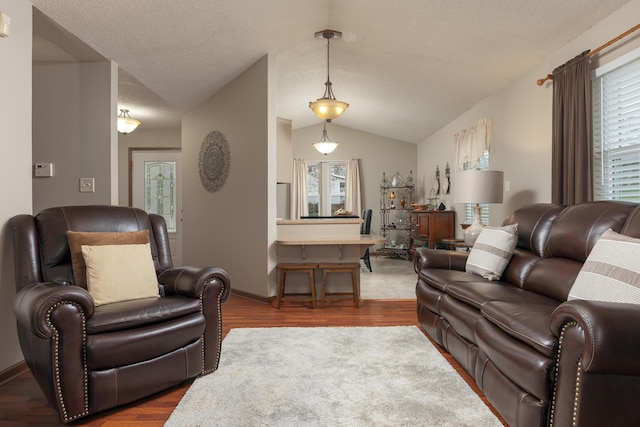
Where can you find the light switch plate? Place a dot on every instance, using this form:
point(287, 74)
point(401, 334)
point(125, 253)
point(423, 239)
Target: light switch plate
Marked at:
point(87, 185)
point(41, 170)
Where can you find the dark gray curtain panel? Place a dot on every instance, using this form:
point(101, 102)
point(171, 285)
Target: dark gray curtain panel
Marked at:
point(571, 180)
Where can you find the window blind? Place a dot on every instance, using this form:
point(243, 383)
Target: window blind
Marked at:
point(616, 133)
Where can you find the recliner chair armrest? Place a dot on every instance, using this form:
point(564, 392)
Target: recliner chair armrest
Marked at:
point(190, 281)
point(34, 302)
point(611, 334)
point(438, 258)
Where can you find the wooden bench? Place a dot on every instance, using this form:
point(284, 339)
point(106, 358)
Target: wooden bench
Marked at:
point(352, 268)
point(285, 269)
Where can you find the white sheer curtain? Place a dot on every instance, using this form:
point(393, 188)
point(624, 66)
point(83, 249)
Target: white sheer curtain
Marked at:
point(471, 143)
point(299, 200)
point(352, 193)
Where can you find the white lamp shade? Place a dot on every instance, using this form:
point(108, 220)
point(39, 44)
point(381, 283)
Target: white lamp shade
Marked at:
point(127, 124)
point(325, 147)
point(477, 186)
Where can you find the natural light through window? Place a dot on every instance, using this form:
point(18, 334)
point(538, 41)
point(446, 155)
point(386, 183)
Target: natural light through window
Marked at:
point(616, 129)
point(325, 187)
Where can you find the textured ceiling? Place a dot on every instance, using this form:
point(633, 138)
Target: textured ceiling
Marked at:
point(407, 67)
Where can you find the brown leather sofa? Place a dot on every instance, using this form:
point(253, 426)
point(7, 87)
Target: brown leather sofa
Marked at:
point(89, 358)
point(538, 358)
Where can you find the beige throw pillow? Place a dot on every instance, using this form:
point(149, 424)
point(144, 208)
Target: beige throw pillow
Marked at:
point(492, 251)
point(611, 272)
point(78, 238)
point(120, 272)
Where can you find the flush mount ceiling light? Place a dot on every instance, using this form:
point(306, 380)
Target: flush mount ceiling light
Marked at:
point(125, 123)
point(325, 145)
point(328, 107)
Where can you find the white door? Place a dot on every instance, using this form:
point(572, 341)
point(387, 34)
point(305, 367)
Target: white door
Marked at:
point(155, 188)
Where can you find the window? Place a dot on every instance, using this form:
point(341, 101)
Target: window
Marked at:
point(468, 207)
point(160, 190)
point(325, 187)
point(616, 129)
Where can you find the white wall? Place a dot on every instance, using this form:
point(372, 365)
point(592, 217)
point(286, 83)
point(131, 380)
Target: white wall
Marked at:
point(141, 138)
point(521, 115)
point(377, 154)
point(234, 228)
point(284, 150)
point(15, 150)
point(74, 109)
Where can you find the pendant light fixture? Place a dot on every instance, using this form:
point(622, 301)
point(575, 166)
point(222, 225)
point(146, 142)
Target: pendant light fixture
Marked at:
point(328, 107)
point(125, 123)
point(325, 145)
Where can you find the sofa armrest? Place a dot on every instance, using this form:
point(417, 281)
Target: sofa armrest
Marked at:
point(191, 281)
point(34, 304)
point(597, 376)
point(212, 285)
point(438, 258)
point(611, 334)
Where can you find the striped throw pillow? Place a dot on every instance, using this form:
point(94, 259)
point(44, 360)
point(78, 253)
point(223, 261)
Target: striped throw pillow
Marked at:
point(611, 272)
point(492, 251)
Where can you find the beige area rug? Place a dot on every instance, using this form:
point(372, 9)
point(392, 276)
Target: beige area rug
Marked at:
point(334, 376)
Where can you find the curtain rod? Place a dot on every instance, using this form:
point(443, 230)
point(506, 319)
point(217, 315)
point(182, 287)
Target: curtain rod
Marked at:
point(540, 82)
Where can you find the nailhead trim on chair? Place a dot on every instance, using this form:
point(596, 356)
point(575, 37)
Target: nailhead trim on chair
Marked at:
point(576, 397)
point(56, 340)
point(215, 366)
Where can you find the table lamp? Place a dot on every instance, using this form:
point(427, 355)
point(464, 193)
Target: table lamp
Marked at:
point(476, 186)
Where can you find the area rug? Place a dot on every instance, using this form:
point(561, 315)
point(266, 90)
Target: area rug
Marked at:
point(333, 376)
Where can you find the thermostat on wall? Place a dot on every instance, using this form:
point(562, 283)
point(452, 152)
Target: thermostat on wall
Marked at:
point(5, 24)
point(43, 169)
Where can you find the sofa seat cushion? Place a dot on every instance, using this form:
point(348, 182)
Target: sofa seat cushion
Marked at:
point(126, 347)
point(136, 313)
point(428, 296)
point(480, 292)
point(462, 317)
point(528, 323)
point(441, 278)
point(524, 366)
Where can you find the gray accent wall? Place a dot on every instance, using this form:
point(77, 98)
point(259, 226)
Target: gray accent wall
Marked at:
point(234, 228)
point(74, 108)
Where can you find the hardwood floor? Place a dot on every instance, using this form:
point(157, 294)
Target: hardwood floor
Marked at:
point(23, 404)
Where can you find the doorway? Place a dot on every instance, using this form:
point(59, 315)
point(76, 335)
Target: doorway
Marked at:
point(155, 188)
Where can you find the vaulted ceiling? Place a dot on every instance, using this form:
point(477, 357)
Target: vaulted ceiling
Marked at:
point(407, 67)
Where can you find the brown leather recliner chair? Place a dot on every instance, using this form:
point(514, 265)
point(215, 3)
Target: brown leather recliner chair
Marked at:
point(89, 358)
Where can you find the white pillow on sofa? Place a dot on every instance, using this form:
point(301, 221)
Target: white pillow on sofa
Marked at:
point(492, 251)
point(120, 272)
point(611, 272)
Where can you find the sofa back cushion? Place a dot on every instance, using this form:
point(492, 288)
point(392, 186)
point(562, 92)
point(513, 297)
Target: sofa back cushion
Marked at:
point(580, 226)
point(534, 224)
point(571, 238)
point(553, 277)
point(53, 223)
point(631, 228)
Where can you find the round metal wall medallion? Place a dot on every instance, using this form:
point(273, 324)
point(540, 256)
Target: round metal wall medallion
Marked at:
point(214, 161)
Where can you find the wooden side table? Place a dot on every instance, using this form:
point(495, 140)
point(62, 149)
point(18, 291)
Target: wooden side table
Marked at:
point(454, 244)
